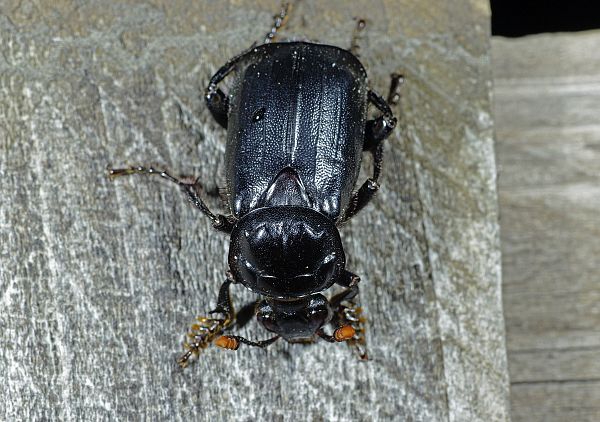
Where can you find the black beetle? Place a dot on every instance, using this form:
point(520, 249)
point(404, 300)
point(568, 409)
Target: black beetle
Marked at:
point(297, 125)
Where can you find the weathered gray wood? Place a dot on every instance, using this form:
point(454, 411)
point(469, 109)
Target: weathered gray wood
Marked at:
point(547, 105)
point(99, 281)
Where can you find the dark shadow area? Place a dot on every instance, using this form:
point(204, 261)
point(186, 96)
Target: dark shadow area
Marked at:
point(513, 18)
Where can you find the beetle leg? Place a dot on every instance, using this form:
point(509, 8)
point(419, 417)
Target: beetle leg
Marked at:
point(365, 193)
point(348, 279)
point(224, 303)
point(342, 333)
point(278, 22)
point(220, 222)
point(376, 131)
point(380, 128)
point(352, 315)
point(394, 91)
point(208, 329)
point(218, 101)
point(347, 294)
point(218, 104)
point(360, 26)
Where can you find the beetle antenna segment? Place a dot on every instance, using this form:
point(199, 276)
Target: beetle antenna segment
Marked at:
point(356, 36)
point(278, 22)
point(219, 221)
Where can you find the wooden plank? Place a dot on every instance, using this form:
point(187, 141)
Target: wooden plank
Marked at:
point(547, 97)
point(555, 364)
point(556, 402)
point(99, 281)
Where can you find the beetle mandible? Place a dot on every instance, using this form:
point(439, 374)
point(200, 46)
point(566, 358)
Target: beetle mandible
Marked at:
point(297, 125)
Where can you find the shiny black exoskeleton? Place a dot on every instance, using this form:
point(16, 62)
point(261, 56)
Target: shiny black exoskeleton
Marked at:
point(297, 124)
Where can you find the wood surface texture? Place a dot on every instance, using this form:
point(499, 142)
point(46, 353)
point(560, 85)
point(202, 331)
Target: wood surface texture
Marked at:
point(547, 117)
point(100, 280)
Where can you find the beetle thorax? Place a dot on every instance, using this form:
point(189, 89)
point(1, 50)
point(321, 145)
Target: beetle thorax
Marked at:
point(286, 252)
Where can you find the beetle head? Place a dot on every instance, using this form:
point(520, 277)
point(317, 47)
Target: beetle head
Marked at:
point(295, 320)
point(286, 252)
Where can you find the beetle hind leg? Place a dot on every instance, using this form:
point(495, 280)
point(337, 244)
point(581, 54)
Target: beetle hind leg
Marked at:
point(279, 21)
point(356, 36)
point(220, 222)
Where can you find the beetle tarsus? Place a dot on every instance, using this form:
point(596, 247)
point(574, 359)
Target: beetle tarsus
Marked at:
point(397, 79)
point(279, 21)
point(219, 221)
point(356, 36)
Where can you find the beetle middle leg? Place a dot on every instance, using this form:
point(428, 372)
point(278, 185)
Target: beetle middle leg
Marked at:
point(210, 330)
point(376, 131)
point(219, 221)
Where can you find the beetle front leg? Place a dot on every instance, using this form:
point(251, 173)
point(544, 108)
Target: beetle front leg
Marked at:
point(219, 221)
point(234, 342)
point(208, 329)
point(352, 314)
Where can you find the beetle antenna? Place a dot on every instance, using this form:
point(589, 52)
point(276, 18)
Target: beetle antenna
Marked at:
point(233, 342)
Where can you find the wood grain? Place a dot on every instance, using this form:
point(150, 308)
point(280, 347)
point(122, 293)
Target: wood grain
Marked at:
point(547, 103)
point(99, 281)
